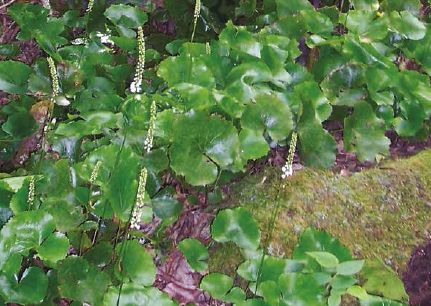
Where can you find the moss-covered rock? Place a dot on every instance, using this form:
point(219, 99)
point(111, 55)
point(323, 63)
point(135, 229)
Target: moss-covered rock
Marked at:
point(382, 212)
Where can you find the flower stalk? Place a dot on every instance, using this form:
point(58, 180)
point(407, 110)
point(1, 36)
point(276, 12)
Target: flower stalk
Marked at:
point(89, 7)
point(54, 77)
point(207, 48)
point(136, 85)
point(196, 15)
point(140, 200)
point(95, 172)
point(31, 192)
point(288, 167)
point(148, 143)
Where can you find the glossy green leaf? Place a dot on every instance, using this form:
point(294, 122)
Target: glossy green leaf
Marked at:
point(186, 69)
point(80, 281)
point(334, 299)
point(195, 253)
point(358, 292)
point(13, 77)
point(413, 6)
point(269, 114)
point(20, 125)
point(122, 187)
point(235, 295)
point(246, 81)
point(135, 263)
point(325, 259)
point(270, 291)
point(34, 22)
point(166, 207)
point(30, 289)
point(316, 146)
point(201, 144)
point(312, 240)
point(270, 268)
point(286, 8)
point(381, 280)
point(407, 25)
point(136, 295)
point(301, 289)
point(216, 284)
point(365, 133)
point(238, 226)
point(94, 123)
point(413, 116)
point(342, 282)
point(252, 143)
point(378, 301)
point(9, 50)
point(23, 232)
point(239, 39)
point(54, 248)
point(350, 267)
point(126, 15)
point(370, 5)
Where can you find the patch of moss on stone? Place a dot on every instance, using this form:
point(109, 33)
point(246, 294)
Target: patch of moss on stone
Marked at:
point(382, 212)
point(224, 258)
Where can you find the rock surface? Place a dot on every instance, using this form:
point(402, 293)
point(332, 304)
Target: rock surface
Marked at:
point(382, 212)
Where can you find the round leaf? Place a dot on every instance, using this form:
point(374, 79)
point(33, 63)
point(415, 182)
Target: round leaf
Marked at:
point(136, 295)
point(325, 259)
point(126, 15)
point(216, 284)
point(350, 267)
point(13, 77)
point(135, 263)
point(31, 289)
point(54, 248)
point(195, 253)
point(236, 225)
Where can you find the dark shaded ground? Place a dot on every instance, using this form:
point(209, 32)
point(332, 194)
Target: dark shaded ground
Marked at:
point(417, 278)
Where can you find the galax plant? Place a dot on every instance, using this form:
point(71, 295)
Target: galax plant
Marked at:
point(111, 130)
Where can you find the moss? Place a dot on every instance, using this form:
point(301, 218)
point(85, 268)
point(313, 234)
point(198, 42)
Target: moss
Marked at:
point(224, 258)
point(382, 212)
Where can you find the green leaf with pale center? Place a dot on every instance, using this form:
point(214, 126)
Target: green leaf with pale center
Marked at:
point(216, 284)
point(236, 225)
point(195, 253)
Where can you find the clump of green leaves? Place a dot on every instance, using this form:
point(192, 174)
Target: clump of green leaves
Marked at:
point(320, 272)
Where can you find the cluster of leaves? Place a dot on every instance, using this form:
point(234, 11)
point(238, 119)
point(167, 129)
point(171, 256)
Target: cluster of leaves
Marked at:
point(320, 272)
point(219, 105)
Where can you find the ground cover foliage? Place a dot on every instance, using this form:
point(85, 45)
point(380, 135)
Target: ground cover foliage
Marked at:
point(117, 108)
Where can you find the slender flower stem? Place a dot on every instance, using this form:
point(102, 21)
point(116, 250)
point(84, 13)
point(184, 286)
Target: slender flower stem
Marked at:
point(148, 143)
point(288, 167)
point(140, 200)
point(136, 85)
point(196, 15)
point(54, 77)
point(31, 192)
point(95, 172)
point(207, 48)
point(89, 7)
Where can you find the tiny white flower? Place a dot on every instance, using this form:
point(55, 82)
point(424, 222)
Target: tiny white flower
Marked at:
point(287, 169)
point(133, 87)
point(79, 41)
